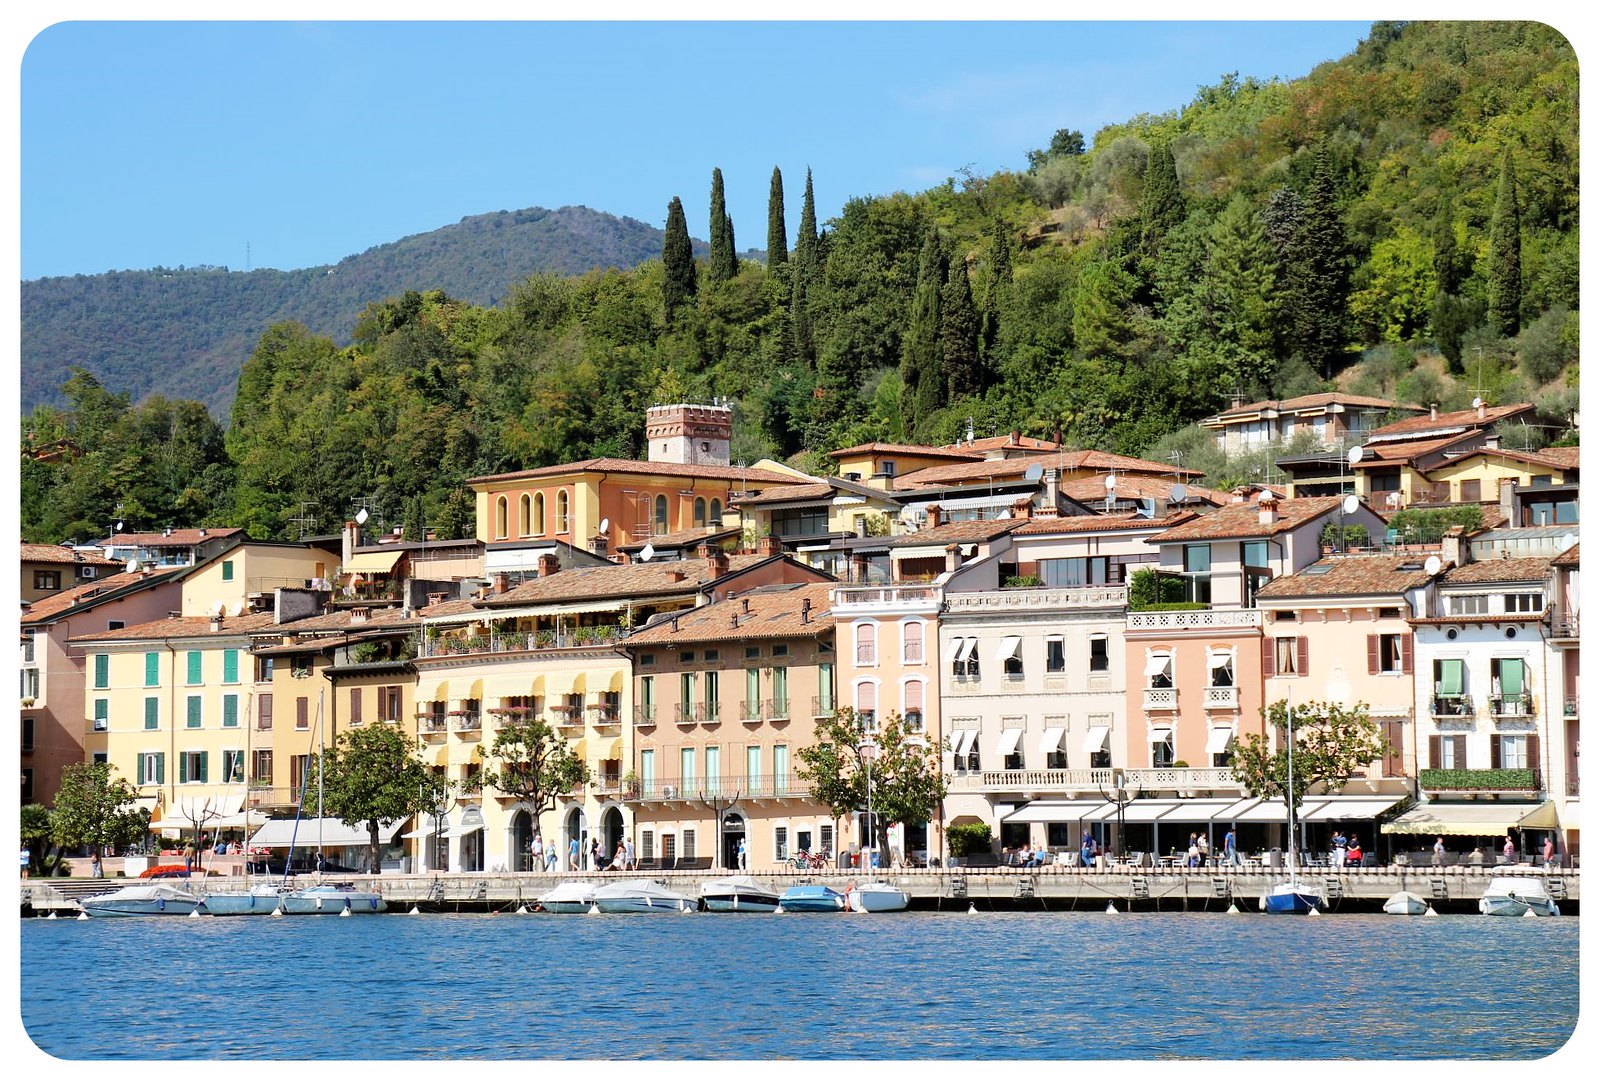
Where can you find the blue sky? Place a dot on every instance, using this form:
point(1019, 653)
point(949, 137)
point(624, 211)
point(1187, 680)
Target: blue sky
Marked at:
point(147, 144)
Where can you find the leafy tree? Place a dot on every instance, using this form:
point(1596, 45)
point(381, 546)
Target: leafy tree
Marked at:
point(33, 828)
point(777, 234)
point(907, 785)
point(1332, 742)
point(921, 365)
point(1548, 344)
point(1505, 253)
point(722, 264)
point(95, 808)
point(1316, 275)
point(958, 336)
point(677, 258)
point(1101, 326)
point(1396, 291)
point(373, 775)
point(533, 763)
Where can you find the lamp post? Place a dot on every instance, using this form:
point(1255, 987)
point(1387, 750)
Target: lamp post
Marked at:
point(868, 750)
point(719, 806)
point(1120, 796)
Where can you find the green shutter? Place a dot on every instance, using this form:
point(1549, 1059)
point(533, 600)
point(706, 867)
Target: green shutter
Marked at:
point(161, 767)
point(752, 685)
point(1450, 677)
point(194, 711)
point(101, 706)
point(204, 758)
point(230, 711)
point(1510, 677)
point(227, 570)
point(825, 686)
point(152, 713)
point(194, 666)
point(152, 669)
point(183, 769)
point(140, 771)
point(102, 670)
point(230, 666)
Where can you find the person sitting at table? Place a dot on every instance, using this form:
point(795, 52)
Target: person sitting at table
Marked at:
point(1352, 852)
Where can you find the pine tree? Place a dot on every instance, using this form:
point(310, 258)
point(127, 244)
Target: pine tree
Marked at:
point(958, 334)
point(1242, 277)
point(921, 367)
point(805, 241)
point(677, 258)
point(1317, 276)
point(777, 233)
point(1282, 217)
point(721, 264)
point(1505, 255)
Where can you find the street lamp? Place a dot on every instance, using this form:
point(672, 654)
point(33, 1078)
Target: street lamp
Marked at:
point(1119, 795)
point(869, 750)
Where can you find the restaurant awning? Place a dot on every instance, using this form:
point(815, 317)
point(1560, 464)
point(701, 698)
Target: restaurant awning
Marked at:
point(1542, 817)
point(372, 562)
point(1463, 819)
point(1148, 810)
point(1095, 741)
point(1219, 738)
point(1009, 738)
point(427, 826)
point(1053, 810)
point(1198, 810)
point(1051, 740)
point(329, 832)
point(1267, 810)
point(248, 818)
point(1339, 808)
point(206, 812)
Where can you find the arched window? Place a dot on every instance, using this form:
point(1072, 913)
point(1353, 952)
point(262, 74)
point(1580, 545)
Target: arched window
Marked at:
point(913, 702)
point(716, 512)
point(501, 511)
point(911, 636)
point(699, 512)
point(563, 512)
point(538, 514)
point(867, 705)
point(661, 514)
point(524, 514)
point(867, 643)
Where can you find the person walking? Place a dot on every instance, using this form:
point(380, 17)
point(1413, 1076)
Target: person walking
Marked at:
point(619, 858)
point(744, 856)
point(1204, 845)
point(188, 855)
point(572, 855)
point(1510, 850)
point(1230, 849)
point(96, 870)
point(551, 857)
point(1340, 847)
point(1550, 850)
point(1438, 852)
point(536, 851)
point(627, 855)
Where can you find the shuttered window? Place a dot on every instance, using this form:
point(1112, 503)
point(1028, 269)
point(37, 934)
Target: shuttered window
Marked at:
point(193, 717)
point(102, 671)
point(230, 711)
point(194, 667)
point(230, 666)
point(264, 712)
point(152, 669)
point(152, 714)
point(355, 705)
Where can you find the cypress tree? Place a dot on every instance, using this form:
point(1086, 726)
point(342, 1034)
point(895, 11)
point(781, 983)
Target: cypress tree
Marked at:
point(1445, 274)
point(777, 234)
point(1317, 276)
point(958, 334)
point(1505, 255)
point(805, 241)
point(677, 258)
point(1162, 207)
point(998, 280)
point(721, 264)
point(797, 347)
point(921, 365)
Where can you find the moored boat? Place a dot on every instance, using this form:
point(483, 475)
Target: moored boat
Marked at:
point(1405, 903)
point(255, 901)
point(1292, 897)
point(640, 895)
point(330, 899)
point(144, 899)
point(1516, 897)
point(737, 893)
point(811, 899)
point(569, 897)
point(877, 897)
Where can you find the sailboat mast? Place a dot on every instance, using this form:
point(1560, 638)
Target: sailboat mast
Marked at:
point(321, 750)
point(1288, 796)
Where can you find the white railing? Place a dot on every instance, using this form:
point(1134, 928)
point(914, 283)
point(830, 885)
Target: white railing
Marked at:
point(1222, 698)
point(1161, 698)
point(1196, 618)
point(1038, 599)
point(909, 596)
point(1090, 782)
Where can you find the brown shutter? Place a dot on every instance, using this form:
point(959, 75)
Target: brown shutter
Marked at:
point(1406, 641)
point(1533, 759)
point(1373, 661)
point(1303, 647)
point(1394, 756)
point(1434, 755)
point(302, 712)
point(1461, 751)
point(355, 705)
point(1494, 752)
point(1267, 659)
point(264, 711)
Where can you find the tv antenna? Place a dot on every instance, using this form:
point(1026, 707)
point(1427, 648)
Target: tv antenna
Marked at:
point(305, 520)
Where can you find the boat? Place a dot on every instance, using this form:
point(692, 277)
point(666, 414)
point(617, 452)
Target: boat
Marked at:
point(1405, 903)
point(332, 899)
point(1291, 897)
point(259, 900)
point(876, 897)
point(1516, 897)
point(811, 899)
point(640, 895)
point(569, 897)
point(737, 893)
point(143, 899)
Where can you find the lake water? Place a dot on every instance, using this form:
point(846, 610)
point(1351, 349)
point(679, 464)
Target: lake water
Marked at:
point(905, 986)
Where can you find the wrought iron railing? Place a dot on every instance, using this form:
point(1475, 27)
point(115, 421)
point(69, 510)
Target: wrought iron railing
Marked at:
point(778, 709)
point(1511, 705)
point(1452, 705)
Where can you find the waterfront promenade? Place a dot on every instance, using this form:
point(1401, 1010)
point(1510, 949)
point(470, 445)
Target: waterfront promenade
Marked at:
point(1164, 889)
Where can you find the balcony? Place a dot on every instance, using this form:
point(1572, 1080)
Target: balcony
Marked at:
point(1039, 599)
point(700, 789)
point(1221, 698)
point(1161, 698)
point(711, 713)
point(750, 712)
point(1564, 628)
point(1092, 782)
point(686, 713)
point(1479, 780)
point(518, 641)
point(429, 724)
point(1511, 705)
point(1194, 619)
point(466, 721)
point(821, 707)
point(566, 716)
point(1452, 705)
point(604, 714)
point(901, 598)
point(777, 709)
point(644, 716)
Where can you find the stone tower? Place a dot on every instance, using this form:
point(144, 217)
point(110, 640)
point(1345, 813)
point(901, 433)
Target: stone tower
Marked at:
point(685, 434)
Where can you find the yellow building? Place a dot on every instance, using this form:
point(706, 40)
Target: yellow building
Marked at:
point(246, 574)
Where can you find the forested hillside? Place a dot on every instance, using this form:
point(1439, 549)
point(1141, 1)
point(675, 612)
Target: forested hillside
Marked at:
point(187, 331)
point(1402, 221)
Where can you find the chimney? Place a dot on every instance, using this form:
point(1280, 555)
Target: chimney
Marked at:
point(1022, 508)
point(1158, 507)
point(1450, 545)
point(437, 598)
point(352, 540)
point(1491, 440)
point(1015, 435)
point(216, 624)
point(1267, 509)
point(805, 610)
point(733, 621)
point(1433, 410)
point(1508, 498)
point(600, 545)
point(1483, 410)
point(1238, 494)
point(502, 581)
point(203, 531)
point(952, 557)
point(359, 615)
point(769, 545)
point(675, 574)
point(548, 564)
point(935, 512)
point(1052, 494)
point(861, 526)
point(744, 604)
point(166, 531)
point(716, 562)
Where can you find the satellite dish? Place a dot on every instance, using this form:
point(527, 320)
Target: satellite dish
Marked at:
point(647, 553)
point(119, 527)
point(1033, 472)
point(1177, 494)
point(605, 525)
point(237, 609)
point(216, 608)
point(1111, 482)
point(1476, 402)
point(1354, 457)
point(1568, 540)
point(1350, 504)
point(133, 565)
point(362, 516)
point(1433, 564)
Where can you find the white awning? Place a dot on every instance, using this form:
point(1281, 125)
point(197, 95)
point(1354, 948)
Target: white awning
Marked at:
point(1261, 811)
point(1340, 808)
point(1217, 742)
point(1096, 739)
point(1157, 664)
point(203, 811)
point(249, 818)
point(1051, 739)
point(1199, 810)
point(329, 832)
point(965, 649)
point(1161, 734)
point(1148, 810)
point(1054, 810)
point(1462, 819)
point(514, 559)
point(918, 551)
point(427, 826)
point(964, 739)
point(1009, 647)
point(1009, 738)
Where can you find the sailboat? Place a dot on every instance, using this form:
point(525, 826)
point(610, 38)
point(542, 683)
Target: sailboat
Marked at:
point(1291, 897)
point(259, 899)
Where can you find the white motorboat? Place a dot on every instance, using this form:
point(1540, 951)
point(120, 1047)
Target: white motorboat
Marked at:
point(143, 899)
point(1517, 897)
point(260, 900)
point(1405, 903)
point(876, 897)
point(569, 897)
point(1292, 897)
point(640, 895)
point(737, 893)
point(331, 899)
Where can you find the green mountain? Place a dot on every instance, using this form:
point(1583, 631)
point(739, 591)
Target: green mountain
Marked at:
point(185, 332)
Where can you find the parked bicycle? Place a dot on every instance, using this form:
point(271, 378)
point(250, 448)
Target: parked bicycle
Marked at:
point(807, 861)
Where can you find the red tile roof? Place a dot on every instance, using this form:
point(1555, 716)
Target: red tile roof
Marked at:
point(629, 465)
point(904, 448)
point(182, 627)
point(1091, 523)
point(1092, 490)
point(782, 493)
point(1004, 442)
point(1311, 401)
point(54, 553)
point(177, 538)
point(1520, 569)
point(957, 533)
point(1381, 454)
point(1447, 422)
point(621, 581)
point(1351, 576)
point(46, 608)
point(773, 612)
point(1569, 558)
point(1241, 520)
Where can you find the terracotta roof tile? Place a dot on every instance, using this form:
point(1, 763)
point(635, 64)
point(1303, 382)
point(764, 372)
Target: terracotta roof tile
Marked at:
point(1243, 520)
point(957, 533)
point(629, 465)
point(46, 608)
point(181, 627)
point(1070, 461)
point(1004, 442)
point(1137, 486)
point(1461, 418)
point(343, 620)
point(622, 581)
point(1521, 569)
point(461, 607)
point(1379, 454)
point(904, 448)
point(54, 553)
point(774, 612)
point(682, 538)
point(177, 538)
point(1351, 576)
point(780, 493)
point(1090, 523)
point(1569, 558)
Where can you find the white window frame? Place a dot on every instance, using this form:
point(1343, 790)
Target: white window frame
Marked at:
point(856, 639)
